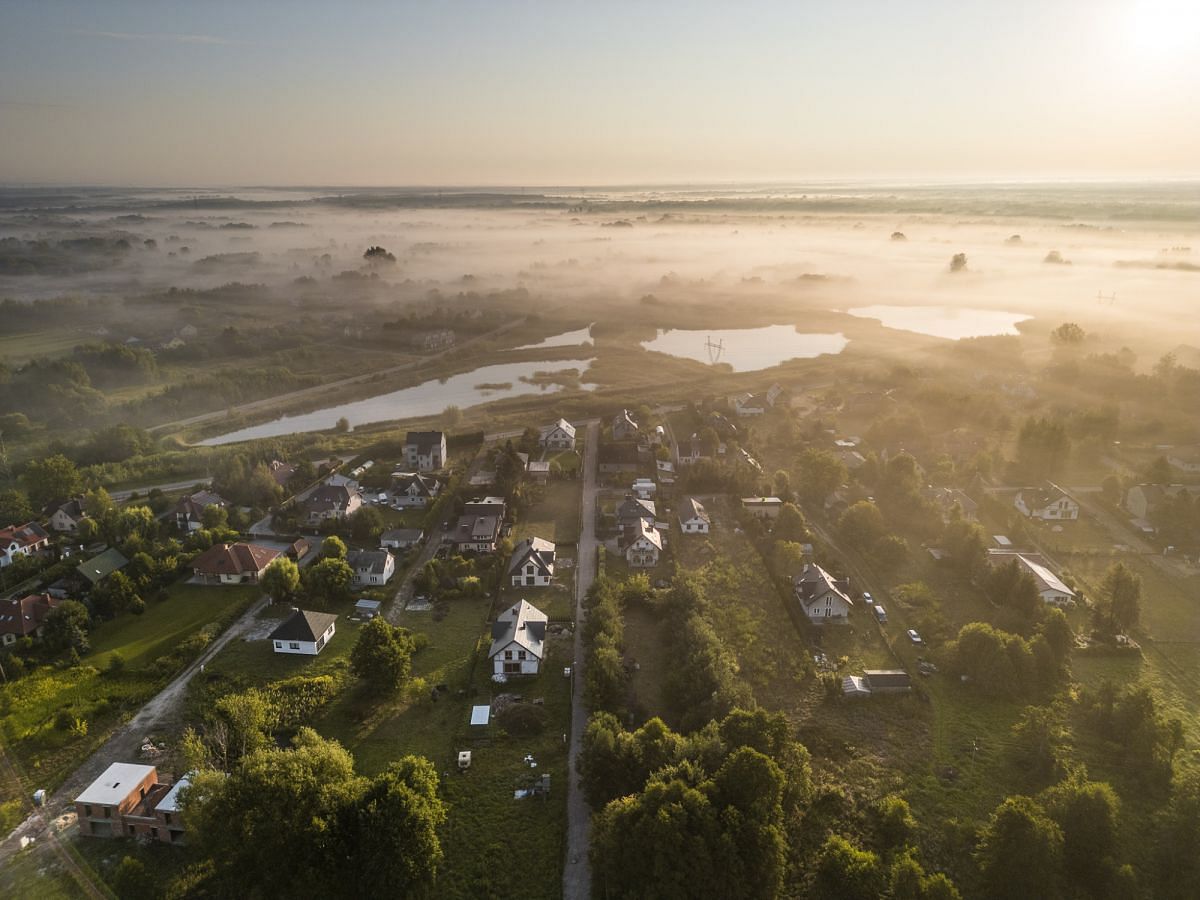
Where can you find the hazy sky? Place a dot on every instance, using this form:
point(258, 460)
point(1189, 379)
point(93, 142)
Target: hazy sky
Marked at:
point(559, 92)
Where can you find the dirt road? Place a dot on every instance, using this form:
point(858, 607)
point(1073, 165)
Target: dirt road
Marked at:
point(125, 742)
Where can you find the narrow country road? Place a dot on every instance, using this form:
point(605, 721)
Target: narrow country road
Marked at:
point(577, 873)
point(124, 744)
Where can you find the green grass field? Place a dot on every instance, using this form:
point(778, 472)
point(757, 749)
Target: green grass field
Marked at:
point(142, 639)
point(45, 754)
point(555, 516)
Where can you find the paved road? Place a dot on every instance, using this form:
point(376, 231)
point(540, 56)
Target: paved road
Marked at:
point(171, 486)
point(577, 873)
point(125, 742)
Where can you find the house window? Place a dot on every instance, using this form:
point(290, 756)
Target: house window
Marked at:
point(87, 811)
point(293, 645)
point(279, 645)
point(320, 644)
point(520, 654)
point(508, 654)
point(167, 818)
point(132, 830)
point(154, 833)
point(107, 813)
point(512, 668)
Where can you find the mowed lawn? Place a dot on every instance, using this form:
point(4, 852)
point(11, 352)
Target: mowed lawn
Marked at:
point(484, 858)
point(188, 608)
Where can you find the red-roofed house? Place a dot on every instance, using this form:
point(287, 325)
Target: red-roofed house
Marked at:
point(233, 563)
point(22, 540)
point(24, 617)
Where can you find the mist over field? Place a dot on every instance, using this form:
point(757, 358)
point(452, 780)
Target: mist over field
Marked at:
point(1034, 249)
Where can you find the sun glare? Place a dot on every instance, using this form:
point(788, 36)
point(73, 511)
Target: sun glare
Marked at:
point(1162, 29)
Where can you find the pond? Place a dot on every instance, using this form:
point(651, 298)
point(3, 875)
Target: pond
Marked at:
point(428, 398)
point(746, 349)
point(566, 339)
point(952, 322)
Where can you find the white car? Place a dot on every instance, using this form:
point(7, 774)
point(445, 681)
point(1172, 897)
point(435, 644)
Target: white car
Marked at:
point(914, 637)
point(868, 599)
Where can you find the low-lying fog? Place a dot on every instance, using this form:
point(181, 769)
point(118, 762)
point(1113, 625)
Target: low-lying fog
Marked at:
point(1106, 254)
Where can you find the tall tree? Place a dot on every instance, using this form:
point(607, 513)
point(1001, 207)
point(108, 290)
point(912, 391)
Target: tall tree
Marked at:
point(1020, 852)
point(382, 655)
point(54, 477)
point(1120, 599)
point(281, 580)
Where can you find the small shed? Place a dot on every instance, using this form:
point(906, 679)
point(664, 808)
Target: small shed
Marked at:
point(368, 609)
point(481, 715)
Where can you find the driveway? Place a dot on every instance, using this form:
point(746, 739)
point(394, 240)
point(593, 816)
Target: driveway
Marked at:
point(125, 742)
point(577, 873)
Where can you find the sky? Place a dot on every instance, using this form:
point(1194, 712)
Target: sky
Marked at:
point(600, 93)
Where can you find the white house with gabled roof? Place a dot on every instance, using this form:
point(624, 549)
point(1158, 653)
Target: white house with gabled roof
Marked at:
point(559, 436)
point(518, 640)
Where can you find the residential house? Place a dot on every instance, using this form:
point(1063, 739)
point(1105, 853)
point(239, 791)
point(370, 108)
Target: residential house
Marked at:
point(750, 404)
point(96, 569)
point(624, 428)
point(823, 598)
point(332, 501)
point(666, 471)
point(297, 550)
point(412, 489)
point(425, 451)
point(532, 563)
point(434, 339)
point(644, 488)
point(401, 538)
point(851, 459)
point(634, 509)
point(29, 539)
point(539, 471)
point(948, 499)
point(371, 566)
point(128, 800)
point(189, 511)
point(233, 563)
point(762, 507)
point(690, 451)
point(478, 528)
point(1049, 503)
point(24, 617)
point(1144, 501)
point(518, 640)
point(304, 632)
point(693, 518)
point(1185, 459)
point(643, 544)
point(559, 436)
point(65, 516)
point(617, 458)
point(281, 471)
point(1050, 587)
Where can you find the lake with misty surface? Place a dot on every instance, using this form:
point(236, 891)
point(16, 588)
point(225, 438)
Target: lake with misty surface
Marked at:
point(952, 322)
point(746, 349)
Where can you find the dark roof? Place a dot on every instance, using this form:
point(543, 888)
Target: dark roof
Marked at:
point(636, 508)
point(100, 567)
point(424, 440)
point(330, 496)
point(885, 678)
point(815, 583)
point(373, 561)
point(540, 551)
point(303, 625)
